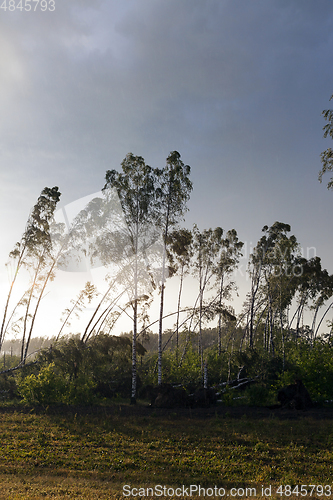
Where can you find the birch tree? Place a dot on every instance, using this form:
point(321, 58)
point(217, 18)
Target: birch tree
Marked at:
point(34, 253)
point(77, 305)
point(180, 252)
point(314, 288)
point(206, 248)
point(173, 193)
point(274, 278)
point(128, 245)
point(227, 260)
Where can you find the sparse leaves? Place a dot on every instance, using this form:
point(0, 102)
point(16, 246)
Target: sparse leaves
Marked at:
point(327, 155)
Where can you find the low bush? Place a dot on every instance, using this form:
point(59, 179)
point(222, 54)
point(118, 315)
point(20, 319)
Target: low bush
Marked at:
point(45, 388)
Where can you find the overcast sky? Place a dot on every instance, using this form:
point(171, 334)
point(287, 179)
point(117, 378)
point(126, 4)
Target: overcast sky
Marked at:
point(236, 86)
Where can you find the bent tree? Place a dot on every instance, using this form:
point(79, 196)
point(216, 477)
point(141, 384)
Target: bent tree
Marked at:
point(206, 246)
point(274, 280)
point(34, 253)
point(230, 251)
point(314, 288)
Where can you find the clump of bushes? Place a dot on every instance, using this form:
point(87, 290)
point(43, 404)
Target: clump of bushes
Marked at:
point(45, 388)
point(73, 372)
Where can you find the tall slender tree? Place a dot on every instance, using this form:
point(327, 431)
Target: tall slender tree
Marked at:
point(34, 252)
point(206, 245)
point(127, 245)
point(180, 252)
point(273, 279)
point(77, 305)
point(173, 192)
point(230, 249)
point(314, 288)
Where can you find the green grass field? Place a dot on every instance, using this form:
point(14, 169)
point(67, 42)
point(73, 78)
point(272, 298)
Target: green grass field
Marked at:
point(92, 453)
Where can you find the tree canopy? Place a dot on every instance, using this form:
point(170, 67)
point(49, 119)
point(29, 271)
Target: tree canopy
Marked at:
point(327, 155)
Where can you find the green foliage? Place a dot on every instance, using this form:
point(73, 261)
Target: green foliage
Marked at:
point(313, 364)
point(228, 396)
point(7, 362)
point(51, 386)
point(187, 373)
point(259, 364)
point(80, 391)
point(258, 395)
point(46, 388)
point(73, 372)
point(327, 155)
point(8, 389)
point(100, 367)
point(218, 365)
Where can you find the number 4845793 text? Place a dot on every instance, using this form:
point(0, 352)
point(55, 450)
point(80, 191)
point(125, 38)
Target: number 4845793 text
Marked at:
point(28, 5)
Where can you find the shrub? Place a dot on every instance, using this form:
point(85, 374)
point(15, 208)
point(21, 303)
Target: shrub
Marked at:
point(228, 396)
point(257, 395)
point(80, 391)
point(45, 388)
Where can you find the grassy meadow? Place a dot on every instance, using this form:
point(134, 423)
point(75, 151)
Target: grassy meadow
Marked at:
point(91, 453)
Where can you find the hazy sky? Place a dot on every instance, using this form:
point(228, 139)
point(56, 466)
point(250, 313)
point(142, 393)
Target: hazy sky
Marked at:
point(236, 86)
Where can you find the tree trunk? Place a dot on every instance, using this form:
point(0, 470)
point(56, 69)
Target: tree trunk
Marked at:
point(134, 373)
point(3, 328)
